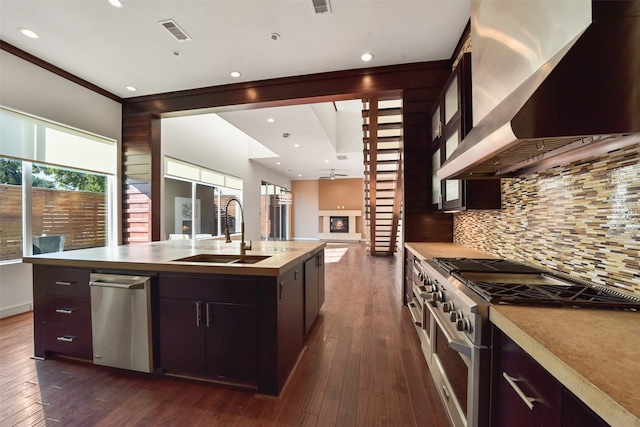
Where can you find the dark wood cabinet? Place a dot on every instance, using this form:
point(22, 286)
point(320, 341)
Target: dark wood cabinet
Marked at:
point(208, 327)
point(451, 120)
point(407, 285)
point(62, 312)
point(519, 378)
point(523, 393)
point(290, 336)
point(576, 413)
point(313, 289)
point(241, 330)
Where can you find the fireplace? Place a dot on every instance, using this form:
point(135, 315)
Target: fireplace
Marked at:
point(339, 224)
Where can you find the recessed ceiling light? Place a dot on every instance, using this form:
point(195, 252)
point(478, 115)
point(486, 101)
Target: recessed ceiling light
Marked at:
point(115, 3)
point(277, 163)
point(235, 74)
point(326, 161)
point(176, 53)
point(274, 36)
point(29, 33)
point(131, 88)
point(299, 175)
point(271, 120)
point(366, 57)
point(296, 145)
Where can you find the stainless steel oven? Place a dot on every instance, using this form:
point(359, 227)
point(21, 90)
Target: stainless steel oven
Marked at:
point(417, 308)
point(460, 352)
point(458, 293)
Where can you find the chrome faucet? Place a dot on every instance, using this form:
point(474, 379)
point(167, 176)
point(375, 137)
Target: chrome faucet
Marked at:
point(243, 246)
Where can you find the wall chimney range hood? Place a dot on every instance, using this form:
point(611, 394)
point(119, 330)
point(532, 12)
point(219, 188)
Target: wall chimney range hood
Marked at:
point(553, 82)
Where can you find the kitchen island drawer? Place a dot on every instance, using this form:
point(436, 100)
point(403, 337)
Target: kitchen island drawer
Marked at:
point(224, 289)
point(67, 310)
point(62, 281)
point(70, 340)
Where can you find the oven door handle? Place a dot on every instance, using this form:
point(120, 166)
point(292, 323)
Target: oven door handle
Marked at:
point(461, 347)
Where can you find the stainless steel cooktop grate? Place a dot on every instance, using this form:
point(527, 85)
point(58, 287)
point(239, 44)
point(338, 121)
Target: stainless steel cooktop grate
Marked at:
point(563, 295)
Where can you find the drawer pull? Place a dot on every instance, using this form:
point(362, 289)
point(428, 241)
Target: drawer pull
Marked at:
point(65, 310)
point(198, 313)
point(66, 338)
point(445, 393)
point(64, 283)
point(512, 382)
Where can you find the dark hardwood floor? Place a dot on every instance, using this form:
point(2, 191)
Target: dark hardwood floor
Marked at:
point(362, 367)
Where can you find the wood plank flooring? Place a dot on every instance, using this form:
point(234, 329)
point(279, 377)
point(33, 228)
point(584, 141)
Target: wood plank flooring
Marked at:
point(362, 366)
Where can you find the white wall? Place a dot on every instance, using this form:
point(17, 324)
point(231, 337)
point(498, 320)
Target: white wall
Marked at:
point(305, 222)
point(30, 89)
point(210, 142)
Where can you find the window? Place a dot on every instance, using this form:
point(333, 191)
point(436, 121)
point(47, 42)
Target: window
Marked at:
point(56, 187)
point(69, 209)
point(274, 213)
point(186, 185)
point(10, 209)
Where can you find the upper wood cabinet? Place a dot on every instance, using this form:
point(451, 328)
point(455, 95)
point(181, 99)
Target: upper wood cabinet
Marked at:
point(451, 120)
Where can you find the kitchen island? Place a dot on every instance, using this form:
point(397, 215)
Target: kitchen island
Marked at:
point(217, 314)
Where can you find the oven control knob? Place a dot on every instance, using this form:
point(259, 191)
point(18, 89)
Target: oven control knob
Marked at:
point(463, 325)
point(447, 307)
point(438, 296)
point(427, 280)
point(455, 315)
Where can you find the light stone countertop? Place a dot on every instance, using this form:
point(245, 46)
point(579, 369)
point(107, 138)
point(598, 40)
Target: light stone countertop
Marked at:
point(594, 353)
point(161, 256)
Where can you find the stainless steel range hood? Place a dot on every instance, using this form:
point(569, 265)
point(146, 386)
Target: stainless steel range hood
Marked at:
point(553, 82)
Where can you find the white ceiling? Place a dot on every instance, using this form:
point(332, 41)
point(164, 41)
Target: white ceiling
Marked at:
point(118, 47)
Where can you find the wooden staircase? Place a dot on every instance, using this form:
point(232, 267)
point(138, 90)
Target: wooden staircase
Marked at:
point(382, 128)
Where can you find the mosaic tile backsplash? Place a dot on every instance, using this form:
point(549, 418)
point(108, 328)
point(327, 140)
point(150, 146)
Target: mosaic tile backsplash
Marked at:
point(582, 219)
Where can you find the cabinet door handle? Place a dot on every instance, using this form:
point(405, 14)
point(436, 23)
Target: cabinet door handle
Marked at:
point(66, 338)
point(280, 290)
point(512, 382)
point(198, 313)
point(445, 393)
point(209, 315)
point(65, 310)
point(63, 283)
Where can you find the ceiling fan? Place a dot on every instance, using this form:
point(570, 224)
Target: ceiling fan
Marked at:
point(332, 175)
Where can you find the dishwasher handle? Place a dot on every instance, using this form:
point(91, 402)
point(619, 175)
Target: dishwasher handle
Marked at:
point(118, 281)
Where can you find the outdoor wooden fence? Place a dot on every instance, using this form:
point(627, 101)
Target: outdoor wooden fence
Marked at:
point(81, 217)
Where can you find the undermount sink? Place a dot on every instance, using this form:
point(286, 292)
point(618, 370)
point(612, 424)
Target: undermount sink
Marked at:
point(223, 258)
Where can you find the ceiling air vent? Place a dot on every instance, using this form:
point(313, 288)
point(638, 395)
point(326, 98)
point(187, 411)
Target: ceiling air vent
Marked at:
point(320, 6)
point(342, 157)
point(175, 30)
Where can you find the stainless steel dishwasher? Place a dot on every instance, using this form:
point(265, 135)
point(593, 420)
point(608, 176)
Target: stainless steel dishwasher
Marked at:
point(121, 321)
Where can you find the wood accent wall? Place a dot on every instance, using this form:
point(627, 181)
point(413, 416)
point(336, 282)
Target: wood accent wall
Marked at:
point(421, 222)
point(141, 179)
point(418, 83)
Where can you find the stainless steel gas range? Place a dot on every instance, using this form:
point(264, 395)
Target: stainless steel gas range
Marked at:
point(450, 306)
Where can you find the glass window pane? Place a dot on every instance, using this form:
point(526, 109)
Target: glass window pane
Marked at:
point(69, 209)
point(264, 223)
point(435, 181)
point(208, 213)
point(451, 101)
point(177, 209)
point(10, 209)
point(233, 211)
